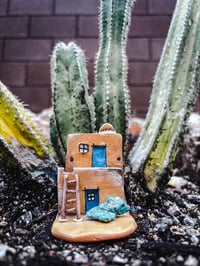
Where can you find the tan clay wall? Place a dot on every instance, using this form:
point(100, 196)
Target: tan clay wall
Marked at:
point(113, 144)
point(109, 182)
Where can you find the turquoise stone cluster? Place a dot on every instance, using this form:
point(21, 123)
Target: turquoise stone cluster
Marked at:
point(101, 215)
point(108, 211)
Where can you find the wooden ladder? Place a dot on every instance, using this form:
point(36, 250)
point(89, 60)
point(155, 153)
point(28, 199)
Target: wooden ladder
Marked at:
point(76, 199)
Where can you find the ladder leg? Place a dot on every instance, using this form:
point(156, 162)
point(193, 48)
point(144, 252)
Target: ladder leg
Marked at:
point(78, 207)
point(60, 183)
point(63, 209)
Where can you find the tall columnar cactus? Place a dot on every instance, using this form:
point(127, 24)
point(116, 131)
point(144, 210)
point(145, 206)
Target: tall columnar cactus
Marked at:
point(112, 102)
point(22, 146)
point(74, 109)
point(73, 106)
point(174, 90)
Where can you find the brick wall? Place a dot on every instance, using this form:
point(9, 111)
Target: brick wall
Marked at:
point(29, 30)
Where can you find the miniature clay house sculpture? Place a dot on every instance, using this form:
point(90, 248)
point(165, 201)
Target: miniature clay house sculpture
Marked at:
point(93, 172)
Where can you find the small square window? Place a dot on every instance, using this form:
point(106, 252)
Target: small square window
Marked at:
point(91, 197)
point(83, 148)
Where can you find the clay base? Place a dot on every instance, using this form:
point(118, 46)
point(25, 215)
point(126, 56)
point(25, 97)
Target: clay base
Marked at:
point(92, 231)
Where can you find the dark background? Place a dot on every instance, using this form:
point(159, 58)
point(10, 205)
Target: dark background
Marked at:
point(29, 30)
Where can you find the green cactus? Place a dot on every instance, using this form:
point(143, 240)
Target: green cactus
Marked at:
point(55, 140)
point(22, 146)
point(174, 91)
point(72, 105)
point(74, 109)
point(112, 101)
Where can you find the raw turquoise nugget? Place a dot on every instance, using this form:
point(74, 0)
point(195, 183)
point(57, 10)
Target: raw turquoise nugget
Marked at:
point(101, 215)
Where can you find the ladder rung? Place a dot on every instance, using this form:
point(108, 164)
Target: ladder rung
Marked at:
point(62, 219)
point(71, 181)
point(71, 190)
point(74, 201)
point(70, 210)
point(71, 200)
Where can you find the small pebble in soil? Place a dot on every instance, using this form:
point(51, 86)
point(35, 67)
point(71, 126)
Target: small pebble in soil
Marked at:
point(191, 261)
point(119, 260)
point(163, 224)
point(4, 249)
point(80, 258)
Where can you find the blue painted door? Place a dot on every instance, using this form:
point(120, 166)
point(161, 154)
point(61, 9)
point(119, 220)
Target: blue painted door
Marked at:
point(99, 156)
point(91, 198)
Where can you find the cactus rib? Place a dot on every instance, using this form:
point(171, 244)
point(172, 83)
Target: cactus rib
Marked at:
point(73, 107)
point(60, 151)
point(16, 124)
point(22, 146)
point(111, 94)
point(174, 91)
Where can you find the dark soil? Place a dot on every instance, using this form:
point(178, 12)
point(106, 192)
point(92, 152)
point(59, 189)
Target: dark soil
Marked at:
point(168, 222)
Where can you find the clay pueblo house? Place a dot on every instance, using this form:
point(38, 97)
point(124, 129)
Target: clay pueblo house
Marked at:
point(94, 171)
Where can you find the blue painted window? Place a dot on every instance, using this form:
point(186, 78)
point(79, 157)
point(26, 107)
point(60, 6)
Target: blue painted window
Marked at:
point(99, 156)
point(91, 198)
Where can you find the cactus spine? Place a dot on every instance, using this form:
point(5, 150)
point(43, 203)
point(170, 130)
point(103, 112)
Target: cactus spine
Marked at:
point(19, 136)
point(112, 101)
point(72, 105)
point(174, 91)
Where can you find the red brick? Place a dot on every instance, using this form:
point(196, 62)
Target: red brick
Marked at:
point(12, 74)
point(13, 26)
point(1, 48)
point(149, 26)
point(140, 97)
point(35, 98)
point(38, 74)
point(27, 49)
point(3, 7)
point(88, 26)
point(139, 7)
point(53, 27)
point(90, 68)
point(161, 7)
point(89, 46)
point(137, 49)
point(156, 48)
point(70, 7)
point(21, 7)
point(141, 73)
